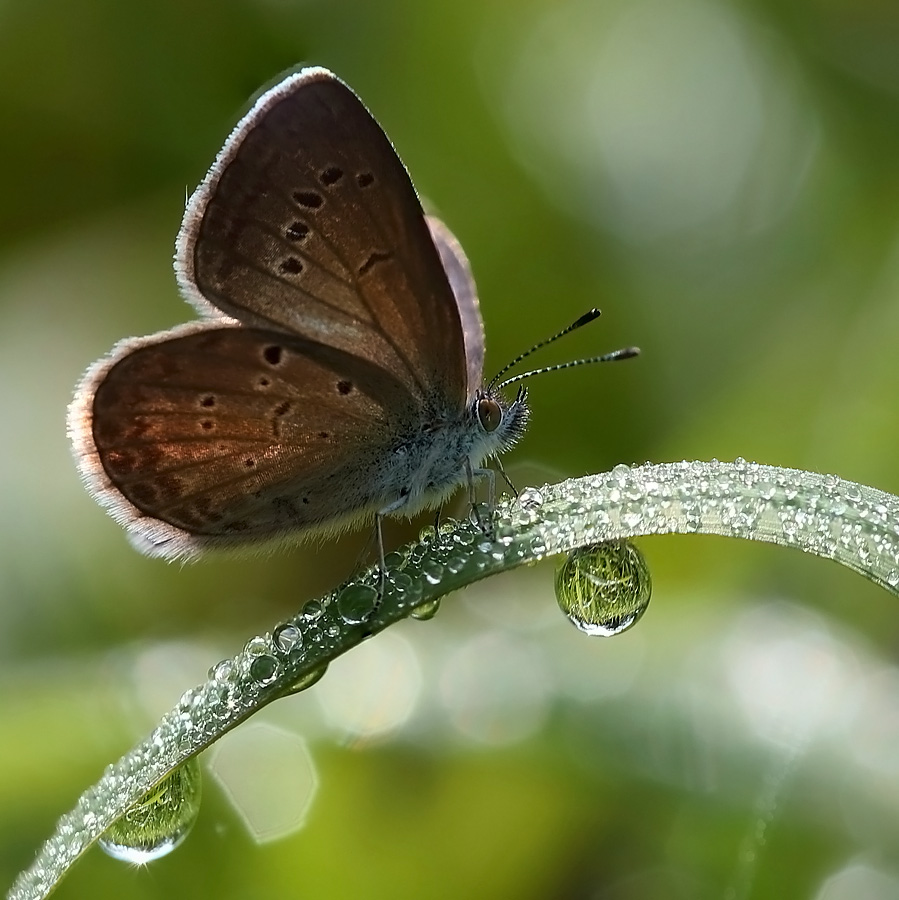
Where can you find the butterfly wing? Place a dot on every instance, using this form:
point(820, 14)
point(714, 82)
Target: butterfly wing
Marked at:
point(208, 436)
point(308, 223)
point(458, 271)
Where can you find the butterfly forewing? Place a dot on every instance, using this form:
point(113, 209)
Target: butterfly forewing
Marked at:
point(308, 222)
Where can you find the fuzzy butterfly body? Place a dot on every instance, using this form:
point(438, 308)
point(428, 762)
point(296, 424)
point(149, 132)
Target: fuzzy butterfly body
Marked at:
point(336, 372)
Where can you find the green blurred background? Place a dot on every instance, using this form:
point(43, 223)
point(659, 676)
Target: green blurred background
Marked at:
point(722, 179)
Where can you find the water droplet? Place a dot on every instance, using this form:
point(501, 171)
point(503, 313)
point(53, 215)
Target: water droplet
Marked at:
point(433, 572)
point(427, 534)
point(312, 610)
point(605, 588)
point(356, 602)
point(223, 671)
point(425, 611)
point(893, 577)
point(455, 564)
point(401, 582)
point(530, 499)
point(287, 637)
point(256, 646)
point(307, 680)
point(263, 668)
point(395, 560)
point(409, 589)
point(480, 516)
point(158, 822)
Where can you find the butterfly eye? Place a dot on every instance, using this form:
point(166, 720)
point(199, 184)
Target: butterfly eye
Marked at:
point(489, 414)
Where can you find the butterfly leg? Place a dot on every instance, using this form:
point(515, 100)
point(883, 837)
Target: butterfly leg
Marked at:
point(382, 564)
point(502, 471)
point(490, 476)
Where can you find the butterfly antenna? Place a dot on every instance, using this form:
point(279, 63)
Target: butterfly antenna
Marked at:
point(585, 319)
point(614, 356)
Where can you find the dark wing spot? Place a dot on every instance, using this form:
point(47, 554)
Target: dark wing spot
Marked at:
point(331, 175)
point(376, 257)
point(344, 387)
point(365, 179)
point(208, 401)
point(309, 199)
point(324, 435)
point(291, 266)
point(250, 463)
point(263, 382)
point(272, 354)
point(207, 425)
point(306, 500)
point(280, 410)
point(296, 231)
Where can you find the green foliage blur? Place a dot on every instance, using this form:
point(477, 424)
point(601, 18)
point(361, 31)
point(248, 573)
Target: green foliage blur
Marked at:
point(722, 179)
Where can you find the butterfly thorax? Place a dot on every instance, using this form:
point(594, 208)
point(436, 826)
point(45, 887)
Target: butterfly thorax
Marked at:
point(426, 466)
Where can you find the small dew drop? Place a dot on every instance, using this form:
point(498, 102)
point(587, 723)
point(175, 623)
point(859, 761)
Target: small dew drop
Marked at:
point(426, 611)
point(287, 637)
point(395, 560)
point(605, 588)
point(427, 534)
point(158, 822)
point(433, 572)
point(400, 581)
point(223, 671)
point(455, 564)
point(893, 577)
point(479, 516)
point(530, 499)
point(312, 610)
point(256, 646)
point(356, 602)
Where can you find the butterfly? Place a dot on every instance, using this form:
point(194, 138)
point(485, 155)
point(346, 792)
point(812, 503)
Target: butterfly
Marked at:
point(335, 375)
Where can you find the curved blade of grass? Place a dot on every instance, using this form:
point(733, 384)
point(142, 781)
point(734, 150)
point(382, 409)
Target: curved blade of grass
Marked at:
point(855, 525)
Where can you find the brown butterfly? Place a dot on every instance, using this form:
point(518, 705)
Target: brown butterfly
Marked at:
point(336, 373)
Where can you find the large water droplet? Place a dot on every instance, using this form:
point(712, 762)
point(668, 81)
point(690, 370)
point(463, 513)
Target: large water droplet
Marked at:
point(160, 821)
point(307, 680)
point(356, 602)
point(605, 588)
point(263, 668)
point(425, 611)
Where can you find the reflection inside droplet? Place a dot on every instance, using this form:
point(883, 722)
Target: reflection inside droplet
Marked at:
point(159, 822)
point(605, 588)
